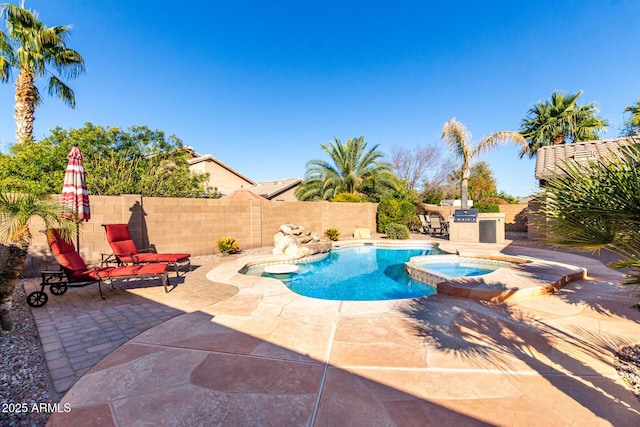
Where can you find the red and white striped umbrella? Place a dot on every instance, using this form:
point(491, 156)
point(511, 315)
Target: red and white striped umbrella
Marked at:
point(75, 196)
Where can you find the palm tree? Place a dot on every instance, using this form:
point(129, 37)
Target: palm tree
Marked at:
point(559, 121)
point(596, 206)
point(16, 211)
point(632, 124)
point(458, 139)
point(34, 49)
point(353, 170)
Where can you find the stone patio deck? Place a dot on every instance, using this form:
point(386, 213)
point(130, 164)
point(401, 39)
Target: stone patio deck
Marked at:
point(243, 350)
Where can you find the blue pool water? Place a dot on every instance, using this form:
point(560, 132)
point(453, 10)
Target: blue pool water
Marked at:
point(363, 273)
point(459, 269)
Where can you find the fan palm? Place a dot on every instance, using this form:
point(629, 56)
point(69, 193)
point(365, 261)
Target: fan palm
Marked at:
point(34, 50)
point(353, 169)
point(458, 139)
point(596, 206)
point(632, 124)
point(558, 121)
point(16, 211)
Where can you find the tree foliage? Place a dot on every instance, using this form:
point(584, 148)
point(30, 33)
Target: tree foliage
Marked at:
point(481, 181)
point(347, 198)
point(421, 167)
point(137, 161)
point(560, 120)
point(393, 211)
point(596, 206)
point(35, 51)
point(458, 139)
point(352, 169)
point(632, 123)
point(16, 212)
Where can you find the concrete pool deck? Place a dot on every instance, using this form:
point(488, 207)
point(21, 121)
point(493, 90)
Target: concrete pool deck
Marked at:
point(262, 355)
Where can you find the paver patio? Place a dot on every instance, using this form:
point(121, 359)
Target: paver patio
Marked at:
point(246, 351)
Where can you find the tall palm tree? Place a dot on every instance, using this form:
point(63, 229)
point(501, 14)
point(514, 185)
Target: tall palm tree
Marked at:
point(560, 120)
point(458, 139)
point(16, 211)
point(353, 170)
point(35, 50)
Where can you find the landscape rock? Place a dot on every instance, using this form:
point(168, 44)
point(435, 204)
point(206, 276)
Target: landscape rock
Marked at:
point(285, 229)
point(296, 241)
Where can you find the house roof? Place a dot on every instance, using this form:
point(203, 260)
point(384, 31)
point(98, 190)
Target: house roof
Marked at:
point(271, 189)
point(243, 194)
point(551, 158)
point(210, 158)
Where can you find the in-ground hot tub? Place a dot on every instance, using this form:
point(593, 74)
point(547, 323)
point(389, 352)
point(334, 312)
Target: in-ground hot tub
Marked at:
point(434, 269)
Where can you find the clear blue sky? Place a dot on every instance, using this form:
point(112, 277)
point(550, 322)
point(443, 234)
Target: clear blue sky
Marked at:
point(261, 84)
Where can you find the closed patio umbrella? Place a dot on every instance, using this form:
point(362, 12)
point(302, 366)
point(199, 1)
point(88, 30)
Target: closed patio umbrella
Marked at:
point(75, 197)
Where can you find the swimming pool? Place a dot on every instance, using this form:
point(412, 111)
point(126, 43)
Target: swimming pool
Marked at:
point(361, 273)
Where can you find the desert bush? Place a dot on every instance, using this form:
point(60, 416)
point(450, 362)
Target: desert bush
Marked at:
point(332, 233)
point(397, 231)
point(484, 207)
point(392, 211)
point(347, 198)
point(227, 245)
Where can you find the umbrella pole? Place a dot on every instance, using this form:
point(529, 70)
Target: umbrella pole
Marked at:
point(78, 236)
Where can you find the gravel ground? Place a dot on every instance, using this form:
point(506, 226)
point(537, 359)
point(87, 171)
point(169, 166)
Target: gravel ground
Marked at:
point(25, 382)
point(628, 366)
point(24, 379)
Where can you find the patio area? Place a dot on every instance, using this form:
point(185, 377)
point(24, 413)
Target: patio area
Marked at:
point(228, 349)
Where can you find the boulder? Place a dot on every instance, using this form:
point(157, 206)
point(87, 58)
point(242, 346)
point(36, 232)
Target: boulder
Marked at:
point(281, 242)
point(285, 229)
point(297, 251)
point(296, 241)
point(319, 247)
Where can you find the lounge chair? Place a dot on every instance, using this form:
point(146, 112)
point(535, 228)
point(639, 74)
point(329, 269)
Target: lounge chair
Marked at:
point(75, 272)
point(426, 225)
point(125, 250)
point(438, 226)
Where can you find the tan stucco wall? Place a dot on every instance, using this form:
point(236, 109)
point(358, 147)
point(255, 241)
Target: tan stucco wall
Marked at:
point(193, 225)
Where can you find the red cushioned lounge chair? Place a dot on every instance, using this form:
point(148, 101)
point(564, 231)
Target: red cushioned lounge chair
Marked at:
point(125, 250)
point(75, 271)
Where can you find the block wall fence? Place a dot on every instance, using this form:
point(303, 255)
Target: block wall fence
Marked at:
point(193, 225)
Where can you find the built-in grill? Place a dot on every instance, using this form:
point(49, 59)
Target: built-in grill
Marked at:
point(465, 215)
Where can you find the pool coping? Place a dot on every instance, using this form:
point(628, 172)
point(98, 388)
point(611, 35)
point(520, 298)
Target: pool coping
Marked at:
point(530, 278)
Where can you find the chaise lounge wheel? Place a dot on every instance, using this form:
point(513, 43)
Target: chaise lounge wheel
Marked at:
point(37, 299)
point(58, 288)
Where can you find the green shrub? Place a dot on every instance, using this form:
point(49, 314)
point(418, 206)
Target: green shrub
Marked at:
point(485, 207)
point(332, 233)
point(397, 231)
point(228, 245)
point(347, 198)
point(392, 211)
